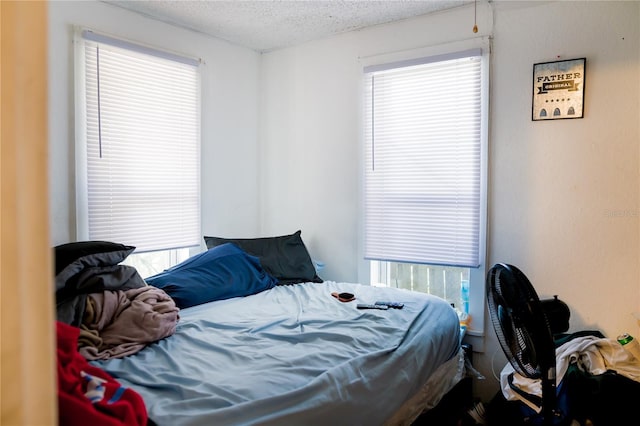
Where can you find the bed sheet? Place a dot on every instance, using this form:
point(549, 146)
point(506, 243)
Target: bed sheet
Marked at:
point(293, 355)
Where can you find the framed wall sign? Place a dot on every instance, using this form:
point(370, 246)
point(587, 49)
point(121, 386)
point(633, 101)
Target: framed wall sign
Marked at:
point(558, 90)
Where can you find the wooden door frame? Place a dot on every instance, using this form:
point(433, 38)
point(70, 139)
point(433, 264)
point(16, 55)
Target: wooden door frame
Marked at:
point(27, 337)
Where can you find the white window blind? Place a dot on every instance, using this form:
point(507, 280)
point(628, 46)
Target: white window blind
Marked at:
point(139, 146)
point(423, 160)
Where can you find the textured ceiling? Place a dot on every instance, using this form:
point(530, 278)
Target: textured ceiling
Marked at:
point(273, 24)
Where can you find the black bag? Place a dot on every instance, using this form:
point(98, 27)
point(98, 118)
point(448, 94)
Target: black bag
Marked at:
point(604, 399)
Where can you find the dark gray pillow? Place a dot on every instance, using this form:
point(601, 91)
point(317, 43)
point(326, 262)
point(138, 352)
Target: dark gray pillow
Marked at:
point(71, 258)
point(284, 257)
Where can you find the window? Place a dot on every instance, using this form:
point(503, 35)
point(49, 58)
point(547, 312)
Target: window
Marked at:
point(154, 262)
point(425, 138)
point(448, 282)
point(138, 146)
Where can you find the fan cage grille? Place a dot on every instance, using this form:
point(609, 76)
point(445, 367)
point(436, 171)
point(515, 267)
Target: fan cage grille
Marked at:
point(519, 321)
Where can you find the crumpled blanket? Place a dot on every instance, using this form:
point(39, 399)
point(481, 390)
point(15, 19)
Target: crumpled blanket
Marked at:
point(71, 292)
point(122, 322)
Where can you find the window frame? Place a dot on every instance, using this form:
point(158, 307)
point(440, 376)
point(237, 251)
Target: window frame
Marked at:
point(80, 38)
point(477, 275)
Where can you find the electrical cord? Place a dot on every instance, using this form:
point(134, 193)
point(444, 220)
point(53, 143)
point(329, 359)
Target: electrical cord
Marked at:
point(493, 370)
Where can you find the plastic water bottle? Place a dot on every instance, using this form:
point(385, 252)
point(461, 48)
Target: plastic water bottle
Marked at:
point(464, 295)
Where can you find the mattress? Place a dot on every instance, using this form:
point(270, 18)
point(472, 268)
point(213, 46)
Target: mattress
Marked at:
point(294, 355)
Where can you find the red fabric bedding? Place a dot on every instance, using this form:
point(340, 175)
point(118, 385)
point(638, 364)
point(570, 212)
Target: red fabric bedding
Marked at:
point(86, 394)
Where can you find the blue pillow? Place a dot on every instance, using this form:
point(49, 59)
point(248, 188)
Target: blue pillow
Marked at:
point(220, 273)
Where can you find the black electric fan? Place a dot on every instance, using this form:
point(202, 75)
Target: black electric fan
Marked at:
point(523, 331)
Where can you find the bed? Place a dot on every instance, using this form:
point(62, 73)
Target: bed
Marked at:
point(295, 355)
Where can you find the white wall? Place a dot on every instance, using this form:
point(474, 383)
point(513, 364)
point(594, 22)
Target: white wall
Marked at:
point(310, 131)
point(563, 202)
point(565, 193)
point(229, 114)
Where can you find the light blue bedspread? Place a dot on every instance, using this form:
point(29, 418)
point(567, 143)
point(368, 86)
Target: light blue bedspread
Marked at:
point(292, 355)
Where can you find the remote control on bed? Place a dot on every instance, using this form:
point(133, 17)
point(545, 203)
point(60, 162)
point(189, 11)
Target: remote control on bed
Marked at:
point(394, 305)
point(370, 306)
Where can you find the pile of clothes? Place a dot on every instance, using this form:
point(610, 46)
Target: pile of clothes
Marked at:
point(596, 379)
point(104, 310)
